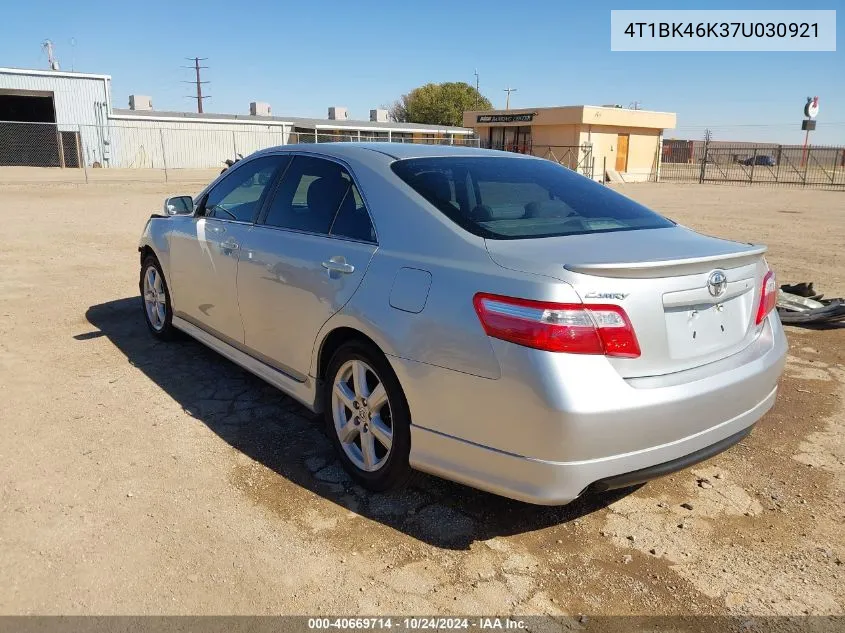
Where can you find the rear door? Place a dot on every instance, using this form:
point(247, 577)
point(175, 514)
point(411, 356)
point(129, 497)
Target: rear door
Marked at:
point(303, 261)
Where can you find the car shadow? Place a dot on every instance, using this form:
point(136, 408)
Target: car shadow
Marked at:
point(253, 416)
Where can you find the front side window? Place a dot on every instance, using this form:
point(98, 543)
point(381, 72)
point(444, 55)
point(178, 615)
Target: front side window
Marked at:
point(515, 198)
point(238, 194)
point(318, 196)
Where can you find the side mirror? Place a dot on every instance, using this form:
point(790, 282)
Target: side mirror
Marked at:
point(179, 205)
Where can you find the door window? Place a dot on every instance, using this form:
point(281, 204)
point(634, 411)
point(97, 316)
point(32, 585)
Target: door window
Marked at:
point(318, 196)
point(239, 194)
point(352, 219)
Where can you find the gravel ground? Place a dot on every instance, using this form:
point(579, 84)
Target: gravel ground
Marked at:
point(138, 477)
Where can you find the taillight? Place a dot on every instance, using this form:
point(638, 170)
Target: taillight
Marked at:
point(574, 328)
point(768, 297)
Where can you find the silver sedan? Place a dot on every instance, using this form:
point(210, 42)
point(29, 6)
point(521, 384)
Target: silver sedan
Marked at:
point(491, 318)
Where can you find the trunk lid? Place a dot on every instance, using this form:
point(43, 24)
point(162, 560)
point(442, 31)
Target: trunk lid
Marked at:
point(663, 280)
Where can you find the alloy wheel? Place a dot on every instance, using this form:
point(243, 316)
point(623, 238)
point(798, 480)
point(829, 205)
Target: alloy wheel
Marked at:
point(155, 298)
point(362, 416)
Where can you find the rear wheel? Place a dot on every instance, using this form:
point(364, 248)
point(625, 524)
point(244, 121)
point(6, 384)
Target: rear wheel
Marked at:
point(155, 299)
point(367, 417)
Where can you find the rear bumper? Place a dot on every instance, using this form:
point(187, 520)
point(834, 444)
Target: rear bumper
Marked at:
point(661, 470)
point(555, 424)
point(556, 483)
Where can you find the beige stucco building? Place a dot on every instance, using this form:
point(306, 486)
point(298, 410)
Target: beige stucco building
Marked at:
point(591, 139)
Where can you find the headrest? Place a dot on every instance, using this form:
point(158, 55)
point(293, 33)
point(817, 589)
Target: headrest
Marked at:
point(434, 185)
point(325, 194)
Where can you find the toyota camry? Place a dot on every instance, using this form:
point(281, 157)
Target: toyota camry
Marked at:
point(491, 318)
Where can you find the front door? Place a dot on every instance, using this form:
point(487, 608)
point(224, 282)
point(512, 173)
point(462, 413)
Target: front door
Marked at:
point(302, 262)
point(204, 257)
point(622, 153)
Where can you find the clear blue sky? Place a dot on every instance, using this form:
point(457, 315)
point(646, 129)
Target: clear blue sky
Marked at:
point(303, 56)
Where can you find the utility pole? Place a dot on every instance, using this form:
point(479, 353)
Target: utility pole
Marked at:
point(196, 67)
point(811, 110)
point(508, 100)
point(476, 88)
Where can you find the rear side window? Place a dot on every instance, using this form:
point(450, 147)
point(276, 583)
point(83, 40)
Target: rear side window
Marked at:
point(517, 198)
point(318, 196)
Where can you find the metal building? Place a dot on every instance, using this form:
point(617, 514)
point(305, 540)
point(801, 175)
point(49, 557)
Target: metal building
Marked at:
point(47, 117)
point(59, 119)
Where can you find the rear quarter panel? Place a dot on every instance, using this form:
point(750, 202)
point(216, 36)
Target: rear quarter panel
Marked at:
point(413, 234)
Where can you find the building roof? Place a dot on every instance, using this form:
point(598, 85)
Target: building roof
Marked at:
point(315, 124)
point(394, 150)
point(52, 73)
point(567, 107)
point(572, 115)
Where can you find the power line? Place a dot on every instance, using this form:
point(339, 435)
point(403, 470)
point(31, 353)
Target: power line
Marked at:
point(196, 67)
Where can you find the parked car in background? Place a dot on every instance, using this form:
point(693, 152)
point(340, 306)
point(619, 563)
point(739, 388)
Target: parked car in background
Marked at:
point(760, 159)
point(488, 317)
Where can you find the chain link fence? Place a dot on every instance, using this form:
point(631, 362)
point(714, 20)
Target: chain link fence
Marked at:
point(354, 136)
point(578, 158)
point(154, 151)
point(575, 157)
point(751, 164)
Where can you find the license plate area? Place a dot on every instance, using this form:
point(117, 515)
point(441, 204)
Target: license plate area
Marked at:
point(703, 328)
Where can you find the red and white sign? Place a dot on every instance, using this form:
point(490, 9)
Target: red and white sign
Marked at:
point(811, 108)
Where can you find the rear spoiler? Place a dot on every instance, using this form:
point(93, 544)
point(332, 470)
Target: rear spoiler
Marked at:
point(669, 267)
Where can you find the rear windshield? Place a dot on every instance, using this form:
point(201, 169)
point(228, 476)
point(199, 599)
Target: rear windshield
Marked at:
point(516, 198)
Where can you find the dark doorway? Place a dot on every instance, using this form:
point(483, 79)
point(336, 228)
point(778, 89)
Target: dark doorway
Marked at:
point(27, 107)
point(29, 135)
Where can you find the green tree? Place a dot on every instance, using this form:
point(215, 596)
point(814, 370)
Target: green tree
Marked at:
point(438, 104)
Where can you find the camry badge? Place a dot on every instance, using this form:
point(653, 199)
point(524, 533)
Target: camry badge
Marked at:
point(618, 296)
point(717, 283)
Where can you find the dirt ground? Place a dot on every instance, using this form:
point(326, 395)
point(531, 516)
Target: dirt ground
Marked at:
point(138, 477)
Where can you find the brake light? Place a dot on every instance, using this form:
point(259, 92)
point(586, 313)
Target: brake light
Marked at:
point(575, 328)
point(768, 297)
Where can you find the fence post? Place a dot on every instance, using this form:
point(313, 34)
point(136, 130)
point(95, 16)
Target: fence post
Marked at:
point(659, 156)
point(82, 152)
point(61, 148)
point(604, 170)
point(807, 163)
point(703, 164)
point(163, 155)
point(753, 163)
point(780, 157)
point(234, 145)
point(833, 175)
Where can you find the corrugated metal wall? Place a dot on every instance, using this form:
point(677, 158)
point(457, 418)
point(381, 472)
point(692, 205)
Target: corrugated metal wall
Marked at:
point(77, 102)
point(187, 144)
point(74, 97)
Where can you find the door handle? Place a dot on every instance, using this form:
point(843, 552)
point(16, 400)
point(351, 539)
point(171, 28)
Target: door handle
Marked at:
point(230, 245)
point(338, 265)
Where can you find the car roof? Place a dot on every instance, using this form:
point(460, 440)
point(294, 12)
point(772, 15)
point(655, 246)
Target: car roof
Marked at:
point(393, 150)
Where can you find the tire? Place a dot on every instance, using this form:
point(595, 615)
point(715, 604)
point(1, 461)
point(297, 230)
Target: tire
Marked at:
point(154, 287)
point(362, 451)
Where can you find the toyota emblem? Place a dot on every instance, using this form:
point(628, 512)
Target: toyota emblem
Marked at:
point(717, 283)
